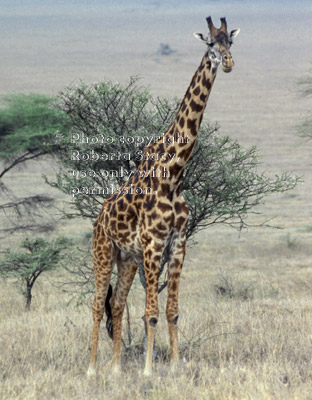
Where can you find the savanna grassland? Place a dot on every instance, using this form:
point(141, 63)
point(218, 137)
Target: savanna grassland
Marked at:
point(245, 325)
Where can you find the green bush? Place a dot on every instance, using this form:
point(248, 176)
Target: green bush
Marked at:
point(38, 256)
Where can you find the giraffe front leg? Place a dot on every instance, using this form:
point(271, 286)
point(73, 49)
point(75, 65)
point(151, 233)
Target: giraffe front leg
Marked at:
point(174, 273)
point(151, 318)
point(151, 267)
point(173, 314)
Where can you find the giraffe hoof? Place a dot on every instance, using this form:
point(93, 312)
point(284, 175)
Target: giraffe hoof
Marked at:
point(147, 372)
point(91, 371)
point(116, 369)
point(173, 366)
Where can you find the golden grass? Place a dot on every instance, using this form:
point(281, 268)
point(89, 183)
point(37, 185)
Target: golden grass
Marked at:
point(251, 343)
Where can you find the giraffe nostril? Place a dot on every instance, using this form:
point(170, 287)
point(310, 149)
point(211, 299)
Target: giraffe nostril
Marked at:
point(227, 58)
point(227, 61)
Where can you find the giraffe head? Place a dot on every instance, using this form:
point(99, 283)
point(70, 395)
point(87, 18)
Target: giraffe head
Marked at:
point(219, 42)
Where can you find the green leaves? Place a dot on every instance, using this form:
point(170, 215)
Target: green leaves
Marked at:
point(28, 124)
point(221, 182)
point(306, 84)
point(38, 256)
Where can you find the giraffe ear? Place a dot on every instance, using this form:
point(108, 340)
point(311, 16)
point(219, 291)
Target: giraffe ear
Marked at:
point(201, 37)
point(234, 33)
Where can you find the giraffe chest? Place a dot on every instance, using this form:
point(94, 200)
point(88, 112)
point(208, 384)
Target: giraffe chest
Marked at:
point(134, 227)
point(132, 236)
point(126, 236)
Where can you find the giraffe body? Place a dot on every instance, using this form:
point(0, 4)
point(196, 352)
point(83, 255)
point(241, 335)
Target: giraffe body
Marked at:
point(138, 221)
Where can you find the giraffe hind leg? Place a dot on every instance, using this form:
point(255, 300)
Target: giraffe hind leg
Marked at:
point(103, 260)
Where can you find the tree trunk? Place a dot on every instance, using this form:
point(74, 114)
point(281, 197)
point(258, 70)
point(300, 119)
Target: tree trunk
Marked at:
point(28, 295)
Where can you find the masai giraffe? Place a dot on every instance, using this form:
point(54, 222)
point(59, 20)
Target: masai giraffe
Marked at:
point(138, 220)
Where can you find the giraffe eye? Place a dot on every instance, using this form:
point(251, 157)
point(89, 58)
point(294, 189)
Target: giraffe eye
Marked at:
point(211, 44)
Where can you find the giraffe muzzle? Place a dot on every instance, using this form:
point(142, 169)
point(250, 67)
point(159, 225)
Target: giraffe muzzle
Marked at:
point(227, 63)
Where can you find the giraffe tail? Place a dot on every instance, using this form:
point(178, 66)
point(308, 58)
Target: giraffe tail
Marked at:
point(108, 312)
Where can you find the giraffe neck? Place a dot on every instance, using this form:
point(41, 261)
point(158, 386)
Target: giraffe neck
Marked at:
point(178, 142)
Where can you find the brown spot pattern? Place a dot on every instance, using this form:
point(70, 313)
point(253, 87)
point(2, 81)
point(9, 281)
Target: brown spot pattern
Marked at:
point(196, 91)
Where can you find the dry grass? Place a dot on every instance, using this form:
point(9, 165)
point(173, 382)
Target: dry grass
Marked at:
point(252, 342)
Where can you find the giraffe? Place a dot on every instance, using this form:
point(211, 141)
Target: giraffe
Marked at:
point(148, 212)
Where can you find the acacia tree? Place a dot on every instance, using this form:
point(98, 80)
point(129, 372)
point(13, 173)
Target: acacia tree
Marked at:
point(38, 256)
point(29, 125)
point(110, 126)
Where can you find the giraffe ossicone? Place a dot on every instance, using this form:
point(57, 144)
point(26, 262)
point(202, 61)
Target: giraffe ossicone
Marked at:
point(135, 225)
